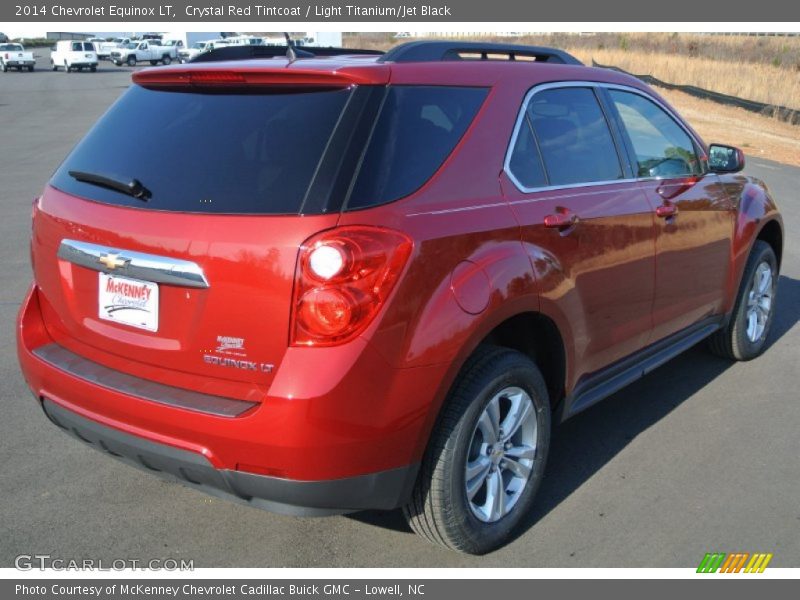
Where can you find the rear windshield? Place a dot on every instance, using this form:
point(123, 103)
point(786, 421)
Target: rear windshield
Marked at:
point(277, 152)
point(207, 152)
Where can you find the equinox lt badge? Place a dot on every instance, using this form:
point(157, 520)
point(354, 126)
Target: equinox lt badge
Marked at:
point(245, 365)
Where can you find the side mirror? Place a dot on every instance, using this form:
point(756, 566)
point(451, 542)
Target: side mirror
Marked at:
point(725, 159)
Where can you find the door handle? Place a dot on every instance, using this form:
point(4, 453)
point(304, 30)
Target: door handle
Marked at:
point(665, 211)
point(561, 220)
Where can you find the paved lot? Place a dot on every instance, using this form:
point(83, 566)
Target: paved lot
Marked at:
point(701, 455)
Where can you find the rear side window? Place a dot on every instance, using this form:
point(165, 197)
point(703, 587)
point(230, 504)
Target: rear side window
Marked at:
point(208, 152)
point(526, 162)
point(573, 135)
point(417, 129)
point(662, 147)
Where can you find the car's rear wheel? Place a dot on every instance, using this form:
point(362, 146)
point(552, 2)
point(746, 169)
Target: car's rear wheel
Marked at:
point(67, 68)
point(745, 337)
point(486, 457)
point(93, 69)
point(30, 69)
point(3, 67)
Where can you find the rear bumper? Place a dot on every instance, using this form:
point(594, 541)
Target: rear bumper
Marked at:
point(20, 63)
point(285, 496)
point(311, 445)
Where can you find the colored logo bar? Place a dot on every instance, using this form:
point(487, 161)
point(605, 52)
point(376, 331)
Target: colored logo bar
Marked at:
point(714, 562)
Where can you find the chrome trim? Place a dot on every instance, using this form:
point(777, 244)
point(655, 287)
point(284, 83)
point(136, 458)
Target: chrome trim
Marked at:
point(149, 267)
point(583, 84)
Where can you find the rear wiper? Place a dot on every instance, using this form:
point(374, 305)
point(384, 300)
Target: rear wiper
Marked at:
point(132, 187)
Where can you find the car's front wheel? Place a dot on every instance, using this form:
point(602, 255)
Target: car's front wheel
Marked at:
point(745, 337)
point(486, 457)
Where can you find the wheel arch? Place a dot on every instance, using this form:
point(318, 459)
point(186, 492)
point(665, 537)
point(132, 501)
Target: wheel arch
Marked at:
point(537, 336)
point(771, 232)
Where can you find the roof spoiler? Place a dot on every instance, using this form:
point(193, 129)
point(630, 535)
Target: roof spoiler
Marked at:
point(213, 76)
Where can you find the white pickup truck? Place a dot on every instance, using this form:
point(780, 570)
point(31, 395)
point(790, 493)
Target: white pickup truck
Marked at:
point(14, 56)
point(143, 51)
point(187, 54)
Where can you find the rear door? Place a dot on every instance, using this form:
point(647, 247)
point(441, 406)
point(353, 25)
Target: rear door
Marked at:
point(695, 215)
point(189, 266)
point(587, 225)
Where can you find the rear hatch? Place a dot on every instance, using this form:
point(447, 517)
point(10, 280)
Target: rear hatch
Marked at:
point(169, 236)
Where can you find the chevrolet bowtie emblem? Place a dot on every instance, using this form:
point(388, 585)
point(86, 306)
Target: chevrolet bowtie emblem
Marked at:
point(112, 260)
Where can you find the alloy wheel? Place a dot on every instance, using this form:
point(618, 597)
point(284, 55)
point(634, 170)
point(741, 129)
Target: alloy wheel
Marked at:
point(501, 454)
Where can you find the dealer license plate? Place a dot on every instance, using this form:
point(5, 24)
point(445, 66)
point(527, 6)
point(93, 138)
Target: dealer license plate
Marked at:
point(128, 301)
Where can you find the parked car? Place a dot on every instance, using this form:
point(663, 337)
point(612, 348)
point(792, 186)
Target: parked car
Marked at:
point(188, 54)
point(3, 38)
point(14, 56)
point(391, 309)
point(144, 51)
point(73, 55)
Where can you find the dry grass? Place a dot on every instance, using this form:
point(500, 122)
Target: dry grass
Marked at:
point(765, 69)
point(753, 81)
point(757, 135)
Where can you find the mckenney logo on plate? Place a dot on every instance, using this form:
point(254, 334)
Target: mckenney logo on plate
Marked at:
point(128, 301)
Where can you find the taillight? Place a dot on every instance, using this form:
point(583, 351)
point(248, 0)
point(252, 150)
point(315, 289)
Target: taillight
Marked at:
point(343, 278)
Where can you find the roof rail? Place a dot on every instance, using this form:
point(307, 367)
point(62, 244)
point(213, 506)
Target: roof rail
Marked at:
point(434, 51)
point(244, 52)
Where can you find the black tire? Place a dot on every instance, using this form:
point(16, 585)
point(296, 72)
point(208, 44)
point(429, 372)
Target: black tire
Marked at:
point(53, 66)
point(154, 62)
point(3, 67)
point(439, 509)
point(167, 60)
point(131, 61)
point(93, 69)
point(30, 69)
point(67, 68)
point(733, 341)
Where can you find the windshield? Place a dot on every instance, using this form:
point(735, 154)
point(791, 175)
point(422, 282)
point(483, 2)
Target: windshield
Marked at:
point(130, 46)
point(199, 45)
point(239, 153)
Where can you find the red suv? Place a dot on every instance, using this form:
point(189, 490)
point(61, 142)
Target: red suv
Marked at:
point(368, 282)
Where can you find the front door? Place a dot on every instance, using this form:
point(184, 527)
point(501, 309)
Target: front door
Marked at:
point(695, 215)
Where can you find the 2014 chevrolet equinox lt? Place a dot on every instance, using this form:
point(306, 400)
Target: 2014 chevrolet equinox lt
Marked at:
point(370, 282)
